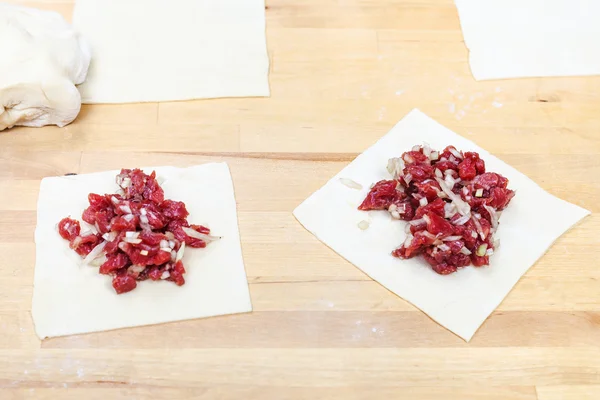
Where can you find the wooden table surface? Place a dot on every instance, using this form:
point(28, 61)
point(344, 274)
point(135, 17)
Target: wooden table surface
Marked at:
point(343, 73)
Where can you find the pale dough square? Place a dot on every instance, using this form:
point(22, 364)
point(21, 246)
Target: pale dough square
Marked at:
point(69, 298)
point(166, 50)
point(533, 38)
point(462, 301)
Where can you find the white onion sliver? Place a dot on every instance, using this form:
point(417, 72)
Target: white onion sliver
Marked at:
point(167, 249)
point(434, 156)
point(143, 211)
point(96, 251)
point(451, 238)
point(408, 178)
point(136, 269)
point(165, 275)
point(144, 252)
point(395, 167)
point(351, 184)
point(493, 215)
point(423, 202)
point(132, 234)
point(462, 220)
point(426, 219)
point(462, 207)
point(465, 251)
point(164, 243)
point(132, 241)
point(408, 240)
point(479, 228)
point(455, 153)
point(417, 222)
point(438, 173)
point(195, 234)
point(126, 209)
point(98, 261)
point(416, 147)
point(444, 247)
point(180, 252)
point(479, 193)
point(481, 250)
point(128, 217)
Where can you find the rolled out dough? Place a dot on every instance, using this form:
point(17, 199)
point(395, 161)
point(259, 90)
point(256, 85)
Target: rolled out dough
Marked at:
point(166, 50)
point(534, 38)
point(462, 301)
point(71, 299)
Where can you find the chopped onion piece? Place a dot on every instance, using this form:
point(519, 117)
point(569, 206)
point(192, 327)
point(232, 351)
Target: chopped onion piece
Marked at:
point(392, 207)
point(110, 236)
point(408, 178)
point(164, 243)
point(408, 158)
point(426, 219)
point(132, 241)
point(180, 252)
point(144, 252)
point(128, 217)
point(438, 173)
point(351, 184)
point(452, 238)
point(426, 150)
point(489, 252)
point(465, 251)
point(482, 250)
point(114, 200)
point(363, 225)
point(434, 155)
point(96, 252)
point(165, 275)
point(171, 243)
point(173, 255)
point(478, 226)
point(493, 215)
point(136, 269)
point(423, 202)
point(126, 209)
point(462, 207)
point(195, 234)
point(416, 147)
point(455, 153)
point(144, 219)
point(479, 193)
point(395, 214)
point(462, 220)
point(417, 222)
point(98, 261)
point(143, 211)
point(474, 234)
point(408, 240)
point(132, 234)
point(395, 167)
point(429, 235)
point(444, 247)
point(167, 249)
point(449, 210)
point(450, 181)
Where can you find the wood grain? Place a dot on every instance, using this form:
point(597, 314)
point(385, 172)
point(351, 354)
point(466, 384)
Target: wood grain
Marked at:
point(342, 74)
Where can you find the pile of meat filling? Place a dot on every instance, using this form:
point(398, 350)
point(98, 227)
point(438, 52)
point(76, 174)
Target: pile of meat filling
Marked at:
point(451, 203)
point(138, 234)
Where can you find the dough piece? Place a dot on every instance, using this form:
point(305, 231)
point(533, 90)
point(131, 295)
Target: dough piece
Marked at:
point(69, 298)
point(534, 38)
point(461, 301)
point(42, 61)
point(165, 50)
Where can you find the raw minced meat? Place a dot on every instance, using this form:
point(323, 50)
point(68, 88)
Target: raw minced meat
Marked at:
point(139, 235)
point(451, 203)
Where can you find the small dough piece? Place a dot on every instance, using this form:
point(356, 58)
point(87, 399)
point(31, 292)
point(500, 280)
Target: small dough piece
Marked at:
point(533, 38)
point(69, 298)
point(463, 300)
point(167, 50)
point(42, 61)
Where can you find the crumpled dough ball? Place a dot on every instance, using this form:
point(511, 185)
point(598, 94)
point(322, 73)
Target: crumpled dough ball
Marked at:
point(41, 60)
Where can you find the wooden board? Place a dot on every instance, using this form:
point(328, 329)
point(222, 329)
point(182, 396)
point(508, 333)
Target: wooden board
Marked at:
point(343, 72)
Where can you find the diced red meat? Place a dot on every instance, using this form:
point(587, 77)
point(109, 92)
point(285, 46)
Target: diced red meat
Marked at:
point(123, 283)
point(381, 196)
point(447, 239)
point(142, 232)
point(69, 228)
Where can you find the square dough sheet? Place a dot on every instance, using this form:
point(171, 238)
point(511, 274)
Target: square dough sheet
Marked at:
point(461, 301)
point(534, 38)
point(166, 50)
point(69, 298)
